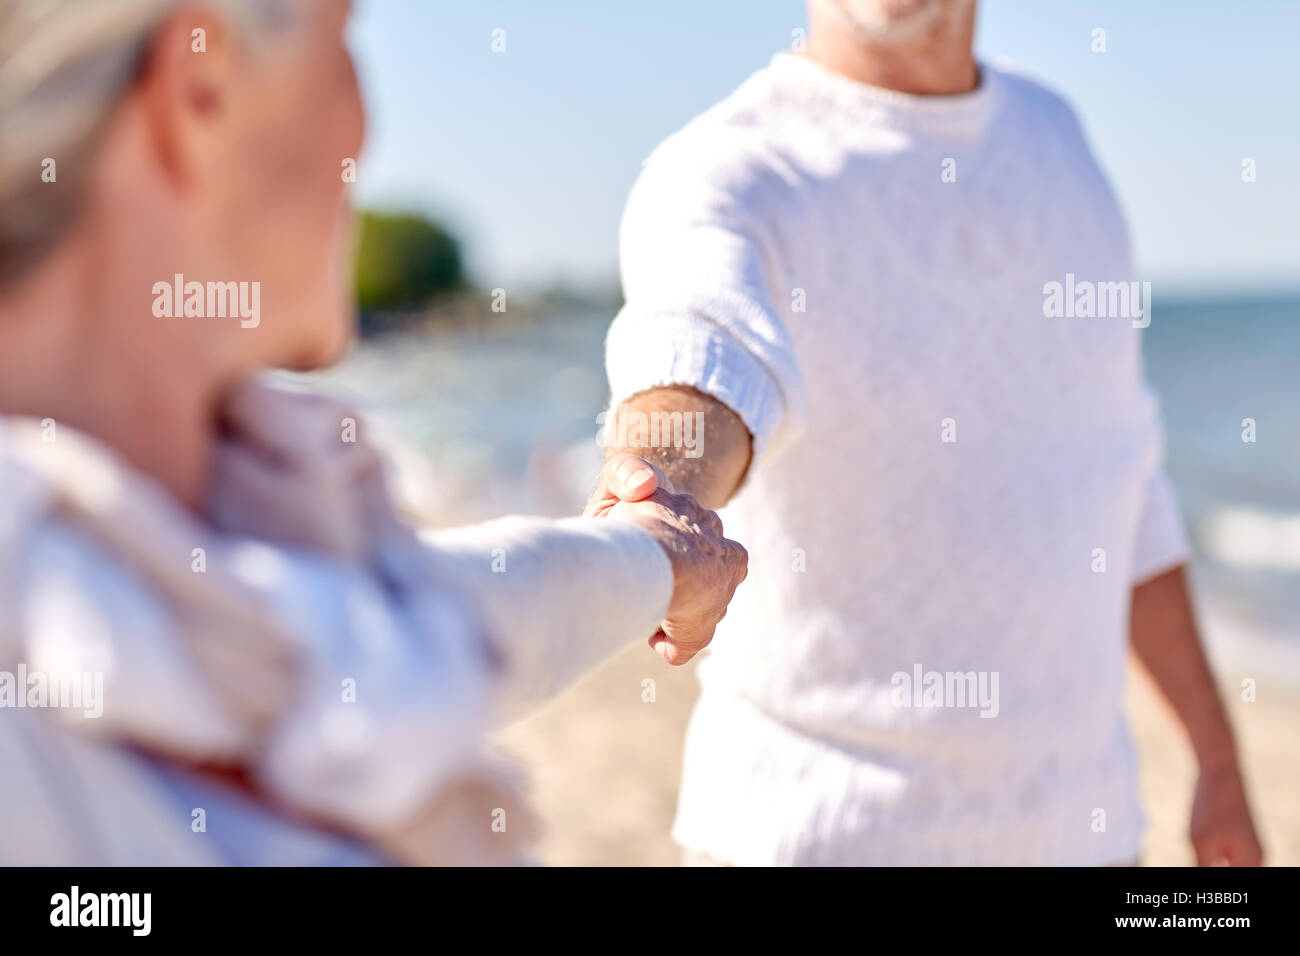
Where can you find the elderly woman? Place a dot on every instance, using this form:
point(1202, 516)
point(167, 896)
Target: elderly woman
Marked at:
point(264, 664)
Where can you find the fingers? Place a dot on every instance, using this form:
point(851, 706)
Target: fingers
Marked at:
point(1222, 831)
point(1213, 853)
point(1241, 850)
point(707, 567)
point(684, 636)
point(739, 562)
point(1247, 854)
point(710, 523)
point(679, 643)
point(1231, 849)
point(688, 508)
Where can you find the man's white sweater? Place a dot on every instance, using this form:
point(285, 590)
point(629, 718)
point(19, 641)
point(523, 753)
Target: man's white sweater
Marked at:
point(955, 488)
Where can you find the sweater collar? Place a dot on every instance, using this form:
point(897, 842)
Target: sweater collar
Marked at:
point(962, 113)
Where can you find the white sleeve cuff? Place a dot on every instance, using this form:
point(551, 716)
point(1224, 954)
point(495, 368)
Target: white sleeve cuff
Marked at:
point(651, 350)
point(1162, 541)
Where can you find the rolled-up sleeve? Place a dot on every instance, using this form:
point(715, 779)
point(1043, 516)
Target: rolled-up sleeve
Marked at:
point(701, 298)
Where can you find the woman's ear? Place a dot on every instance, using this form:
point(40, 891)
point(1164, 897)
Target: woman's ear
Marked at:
point(188, 87)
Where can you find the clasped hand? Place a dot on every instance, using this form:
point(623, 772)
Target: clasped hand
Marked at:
point(707, 567)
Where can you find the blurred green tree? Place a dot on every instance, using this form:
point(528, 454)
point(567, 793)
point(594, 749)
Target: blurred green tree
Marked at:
point(404, 261)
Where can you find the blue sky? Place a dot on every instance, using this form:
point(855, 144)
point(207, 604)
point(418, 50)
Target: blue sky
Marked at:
point(528, 154)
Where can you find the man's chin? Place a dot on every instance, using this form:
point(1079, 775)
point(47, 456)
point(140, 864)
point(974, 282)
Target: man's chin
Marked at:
point(883, 21)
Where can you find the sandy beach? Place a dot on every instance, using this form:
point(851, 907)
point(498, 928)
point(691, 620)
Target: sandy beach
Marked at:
point(605, 766)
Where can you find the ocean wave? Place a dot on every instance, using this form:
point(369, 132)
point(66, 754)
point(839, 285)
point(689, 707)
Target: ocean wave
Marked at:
point(1245, 537)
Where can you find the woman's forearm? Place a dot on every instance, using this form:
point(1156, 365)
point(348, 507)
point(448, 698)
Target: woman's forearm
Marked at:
point(556, 596)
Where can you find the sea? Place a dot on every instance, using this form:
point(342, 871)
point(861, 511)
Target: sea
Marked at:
point(501, 417)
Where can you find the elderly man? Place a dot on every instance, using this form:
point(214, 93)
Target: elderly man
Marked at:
point(954, 500)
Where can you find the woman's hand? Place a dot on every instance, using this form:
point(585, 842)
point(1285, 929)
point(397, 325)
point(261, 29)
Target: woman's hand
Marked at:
point(707, 567)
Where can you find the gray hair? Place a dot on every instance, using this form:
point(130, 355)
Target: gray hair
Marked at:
point(64, 67)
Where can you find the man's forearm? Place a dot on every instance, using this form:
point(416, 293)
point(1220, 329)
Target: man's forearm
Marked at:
point(705, 456)
point(1165, 638)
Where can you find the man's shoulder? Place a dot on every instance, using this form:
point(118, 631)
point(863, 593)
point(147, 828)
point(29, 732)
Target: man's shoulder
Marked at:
point(748, 111)
point(732, 148)
point(1026, 93)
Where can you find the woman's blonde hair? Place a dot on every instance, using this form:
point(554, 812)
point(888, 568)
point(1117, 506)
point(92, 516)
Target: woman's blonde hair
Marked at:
point(64, 66)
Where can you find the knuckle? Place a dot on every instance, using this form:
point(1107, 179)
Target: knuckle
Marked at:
point(664, 498)
point(686, 501)
point(681, 503)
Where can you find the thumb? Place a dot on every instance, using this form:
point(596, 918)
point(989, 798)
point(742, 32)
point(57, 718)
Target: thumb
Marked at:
point(625, 477)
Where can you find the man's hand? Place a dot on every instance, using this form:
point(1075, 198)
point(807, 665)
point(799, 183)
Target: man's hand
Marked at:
point(1164, 636)
point(707, 567)
point(625, 478)
point(712, 470)
point(1222, 832)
